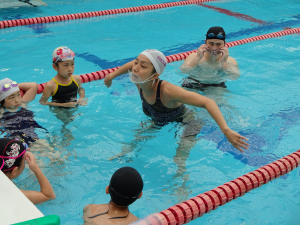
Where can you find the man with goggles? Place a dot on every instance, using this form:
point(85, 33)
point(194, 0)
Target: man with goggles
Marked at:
point(212, 57)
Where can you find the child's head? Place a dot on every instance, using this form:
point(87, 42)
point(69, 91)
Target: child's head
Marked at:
point(125, 186)
point(12, 160)
point(63, 61)
point(9, 93)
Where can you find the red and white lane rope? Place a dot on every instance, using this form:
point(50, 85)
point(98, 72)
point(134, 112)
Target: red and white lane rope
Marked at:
point(201, 204)
point(51, 19)
point(181, 56)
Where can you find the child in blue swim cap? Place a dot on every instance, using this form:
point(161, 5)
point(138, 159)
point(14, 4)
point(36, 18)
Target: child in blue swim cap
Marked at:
point(13, 154)
point(64, 86)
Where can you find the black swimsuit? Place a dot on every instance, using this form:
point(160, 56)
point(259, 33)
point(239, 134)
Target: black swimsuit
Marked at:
point(195, 84)
point(20, 124)
point(159, 113)
point(65, 92)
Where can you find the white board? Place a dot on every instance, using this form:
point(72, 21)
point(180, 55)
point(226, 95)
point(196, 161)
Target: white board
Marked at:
point(15, 207)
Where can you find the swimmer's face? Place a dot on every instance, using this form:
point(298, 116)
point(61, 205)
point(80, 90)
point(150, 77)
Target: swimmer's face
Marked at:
point(65, 68)
point(215, 45)
point(142, 67)
point(13, 100)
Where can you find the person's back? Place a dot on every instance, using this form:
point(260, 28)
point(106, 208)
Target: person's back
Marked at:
point(114, 211)
point(125, 188)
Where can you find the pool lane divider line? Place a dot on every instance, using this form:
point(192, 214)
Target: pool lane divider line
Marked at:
point(98, 75)
point(204, 203)
point(234, 14)
point(51, 19)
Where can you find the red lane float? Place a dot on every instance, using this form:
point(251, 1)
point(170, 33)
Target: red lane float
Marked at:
point(196, 207)
point(51, 19)
point(181, 56)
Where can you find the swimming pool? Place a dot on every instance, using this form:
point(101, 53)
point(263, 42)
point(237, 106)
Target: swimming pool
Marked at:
point(262, 105)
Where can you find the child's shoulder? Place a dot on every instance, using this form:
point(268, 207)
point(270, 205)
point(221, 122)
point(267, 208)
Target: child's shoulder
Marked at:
point(76, 78)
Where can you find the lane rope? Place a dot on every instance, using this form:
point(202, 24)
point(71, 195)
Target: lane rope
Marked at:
point(181, 56)
point(52, 19)
point(204, 203)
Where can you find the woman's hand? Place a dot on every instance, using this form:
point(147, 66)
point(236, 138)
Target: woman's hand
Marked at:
point(236, 140)
point(108, 80)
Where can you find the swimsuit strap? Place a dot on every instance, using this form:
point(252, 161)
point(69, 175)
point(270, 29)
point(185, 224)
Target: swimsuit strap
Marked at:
point(117, 217)
point(158, 89)
point(74, 81)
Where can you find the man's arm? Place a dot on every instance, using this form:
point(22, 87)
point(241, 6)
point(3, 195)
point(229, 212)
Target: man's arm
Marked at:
point(193, 59)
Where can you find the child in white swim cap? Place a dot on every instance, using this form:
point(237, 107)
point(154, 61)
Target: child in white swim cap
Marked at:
point(17, 121)
point(65, 86)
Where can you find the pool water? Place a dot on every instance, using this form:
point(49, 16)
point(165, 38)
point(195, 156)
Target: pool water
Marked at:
point(262, 105)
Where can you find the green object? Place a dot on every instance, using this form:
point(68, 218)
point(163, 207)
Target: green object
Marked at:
point(46, 220)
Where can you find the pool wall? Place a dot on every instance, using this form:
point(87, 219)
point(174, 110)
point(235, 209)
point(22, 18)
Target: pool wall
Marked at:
point(15, 207)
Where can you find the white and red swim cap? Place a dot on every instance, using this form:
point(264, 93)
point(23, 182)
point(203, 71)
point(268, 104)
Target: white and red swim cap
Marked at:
point(61, 54)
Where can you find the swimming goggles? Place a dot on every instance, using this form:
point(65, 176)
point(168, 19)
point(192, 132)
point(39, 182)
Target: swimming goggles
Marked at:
point(211, 35)
point(6, 87)
point(11, 158)
point(135, 197)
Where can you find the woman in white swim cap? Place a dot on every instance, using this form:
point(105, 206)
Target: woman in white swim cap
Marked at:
point(163, 101)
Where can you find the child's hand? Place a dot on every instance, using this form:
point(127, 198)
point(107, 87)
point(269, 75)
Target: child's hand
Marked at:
point(108, 81)
point(30, 159)
point(82, 101)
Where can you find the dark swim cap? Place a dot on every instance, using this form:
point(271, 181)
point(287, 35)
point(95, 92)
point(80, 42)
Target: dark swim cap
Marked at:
point(11, 153)
point(125, 186)
point(217, 31)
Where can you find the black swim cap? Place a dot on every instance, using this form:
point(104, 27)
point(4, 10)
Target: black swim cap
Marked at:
point(11, 152)
point(217, 31)
point(125, 186)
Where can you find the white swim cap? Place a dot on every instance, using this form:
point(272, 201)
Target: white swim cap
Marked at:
point(157, 58)
point(7, 87)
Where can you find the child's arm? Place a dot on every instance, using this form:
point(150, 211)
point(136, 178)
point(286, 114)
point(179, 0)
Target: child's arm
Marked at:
point(30, 90)
point(47, 93)
point(46, 192)
point(81, 91)
point(122, 70)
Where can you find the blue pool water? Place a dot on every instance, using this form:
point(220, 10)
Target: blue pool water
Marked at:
point(262, 105)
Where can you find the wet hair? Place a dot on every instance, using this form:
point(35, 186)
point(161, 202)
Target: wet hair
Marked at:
point(125, 186)
point(154, 70)
point(2, 102)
